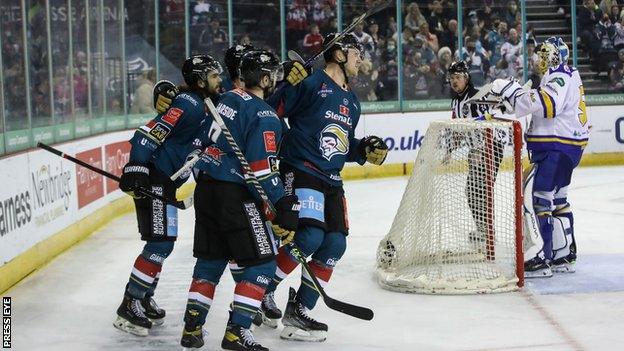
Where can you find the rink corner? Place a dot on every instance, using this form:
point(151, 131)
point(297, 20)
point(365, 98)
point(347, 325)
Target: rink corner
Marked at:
point(46, 250)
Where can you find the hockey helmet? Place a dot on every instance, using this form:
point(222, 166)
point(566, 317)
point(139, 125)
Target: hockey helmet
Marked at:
point(197, 68)
point(255, 64)
point(549, 57)
point(459, 67)
point(233, 56)
point(564, 52)
point(346, 42)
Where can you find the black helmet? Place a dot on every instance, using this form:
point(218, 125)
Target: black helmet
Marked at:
point(256, 64)
point(233, 56)
point(458, 67)
point(197, 67)
point(344, 43)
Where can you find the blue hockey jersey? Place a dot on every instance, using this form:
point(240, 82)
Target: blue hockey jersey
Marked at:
point(257, 131)
point(167, 140)
point(322, 118)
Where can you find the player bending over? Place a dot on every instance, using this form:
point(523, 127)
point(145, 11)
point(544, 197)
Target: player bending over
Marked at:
point(230, 222)
point(556, 137)
point(323, 113)
point(159, 149)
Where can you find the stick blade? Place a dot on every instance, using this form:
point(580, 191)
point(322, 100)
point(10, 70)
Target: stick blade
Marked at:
point(347, 308)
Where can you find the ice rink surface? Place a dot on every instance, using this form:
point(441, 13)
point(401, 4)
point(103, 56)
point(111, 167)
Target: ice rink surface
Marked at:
point(70, 304)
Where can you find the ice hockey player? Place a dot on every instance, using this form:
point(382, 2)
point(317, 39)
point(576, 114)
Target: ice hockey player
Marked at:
point(230, 221)
point(556, 137)
point(462, 92)
point(323, 113)
point(164, 91)
point(159, 149)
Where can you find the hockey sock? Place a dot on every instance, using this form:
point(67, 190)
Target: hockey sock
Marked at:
point(200, 298)
point(285, 265)
point(247, 299)
point(308, 295)
point(147, 267)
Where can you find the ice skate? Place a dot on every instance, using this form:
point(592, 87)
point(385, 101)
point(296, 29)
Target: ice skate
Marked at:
point(270, 313)
point(298, 325)
point(152, 311)
point(537, 268)
point(238, 338)
point(131, 318)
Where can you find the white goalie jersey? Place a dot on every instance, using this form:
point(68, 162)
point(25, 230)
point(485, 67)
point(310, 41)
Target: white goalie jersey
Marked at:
point(559, 117)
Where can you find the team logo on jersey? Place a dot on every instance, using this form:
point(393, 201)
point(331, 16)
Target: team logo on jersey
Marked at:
point(270, 144)
point(214, 153)
point(334, 141)
point(324, 91)
point(160, 132)
point(344, 110)
point(172, 116)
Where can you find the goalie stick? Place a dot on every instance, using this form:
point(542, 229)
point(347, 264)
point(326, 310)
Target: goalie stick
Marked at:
point(183, 205)
point(250, 178)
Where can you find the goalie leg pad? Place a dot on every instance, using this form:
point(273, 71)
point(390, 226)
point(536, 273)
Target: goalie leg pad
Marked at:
point(564, 245)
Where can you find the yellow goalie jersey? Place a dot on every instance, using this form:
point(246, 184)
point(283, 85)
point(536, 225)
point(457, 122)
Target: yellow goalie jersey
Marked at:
point(559, 117)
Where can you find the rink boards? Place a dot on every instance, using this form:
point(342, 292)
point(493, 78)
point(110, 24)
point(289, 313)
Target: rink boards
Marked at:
point(47, 204)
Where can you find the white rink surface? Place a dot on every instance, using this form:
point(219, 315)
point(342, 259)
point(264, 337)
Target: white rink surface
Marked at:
point(70, 304)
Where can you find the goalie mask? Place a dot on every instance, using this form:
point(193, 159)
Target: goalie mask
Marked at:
point(549, 57)
point(564, 52)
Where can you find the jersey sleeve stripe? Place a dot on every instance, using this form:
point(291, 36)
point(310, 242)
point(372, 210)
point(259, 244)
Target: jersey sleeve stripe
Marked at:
point(260, 168)
point(548, 104)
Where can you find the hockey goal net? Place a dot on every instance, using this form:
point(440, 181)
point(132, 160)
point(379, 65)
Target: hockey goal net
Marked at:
point(458, 229)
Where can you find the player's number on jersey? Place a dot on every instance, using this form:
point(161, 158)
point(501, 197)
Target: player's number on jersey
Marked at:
point(582, 108)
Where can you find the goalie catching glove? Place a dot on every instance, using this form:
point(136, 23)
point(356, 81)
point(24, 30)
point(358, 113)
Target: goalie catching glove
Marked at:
point(295, 72)
point(373, 149)
point(164, 92)
point(287, 218)
point(135, 175)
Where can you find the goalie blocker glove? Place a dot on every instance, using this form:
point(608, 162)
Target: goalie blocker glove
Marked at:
point(373, 149)
point(287, 218)
point(164, 92)
point(506, 89)
point(135, 175)
point(295, 72)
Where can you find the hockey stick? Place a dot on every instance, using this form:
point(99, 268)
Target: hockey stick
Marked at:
point(250, 178)
point(326, 46)
point(184, 204)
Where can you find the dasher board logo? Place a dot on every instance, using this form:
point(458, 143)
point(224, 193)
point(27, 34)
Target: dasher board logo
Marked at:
point(334, 141)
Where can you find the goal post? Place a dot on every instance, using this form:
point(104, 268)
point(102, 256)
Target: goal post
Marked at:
point(458, 229)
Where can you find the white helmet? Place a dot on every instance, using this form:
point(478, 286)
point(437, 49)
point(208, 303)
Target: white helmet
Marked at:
point(564, 52)
point(549, 57)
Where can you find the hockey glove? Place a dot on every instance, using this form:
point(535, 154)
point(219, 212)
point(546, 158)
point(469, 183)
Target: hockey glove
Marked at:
point(135, 175)
point(295, 72)
point(507, 90)
point(164, 92)
point(373, 149)
point(287, 218)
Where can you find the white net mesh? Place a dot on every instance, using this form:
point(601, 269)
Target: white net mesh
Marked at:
point(456, 229)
